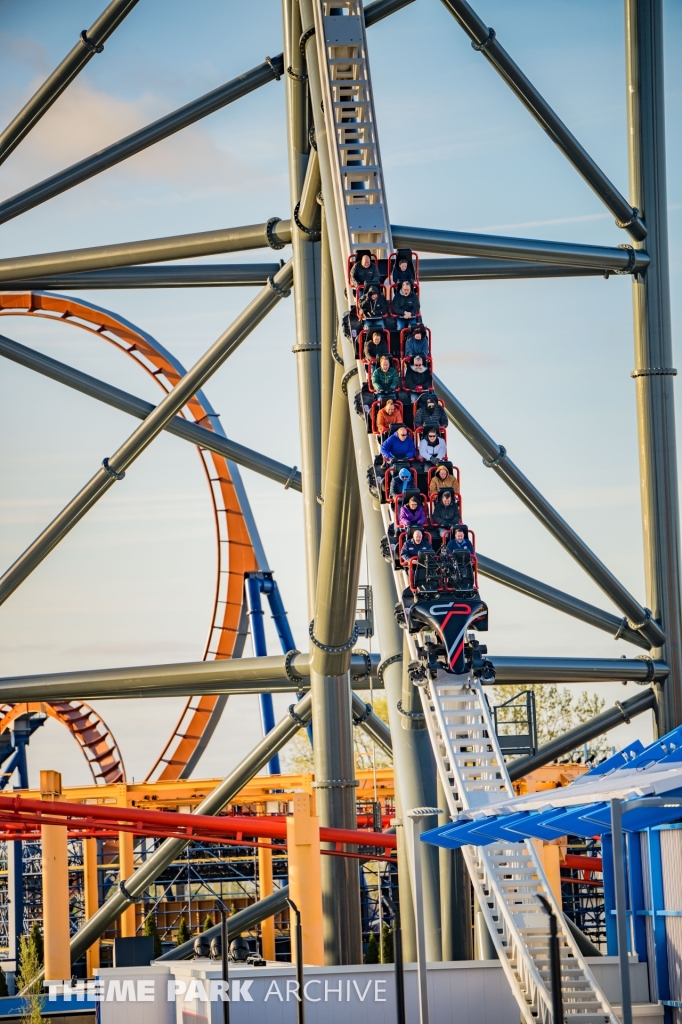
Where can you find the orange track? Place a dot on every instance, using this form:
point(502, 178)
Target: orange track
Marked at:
point(235, 550)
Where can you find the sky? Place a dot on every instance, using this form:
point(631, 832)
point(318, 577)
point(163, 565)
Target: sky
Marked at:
point(543, 365)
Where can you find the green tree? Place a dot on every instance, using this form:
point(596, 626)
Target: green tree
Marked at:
point(372, 951)
point(4, 991)
point(386, 945)
point(557, 709)
point(184, 933)
point(151, 928)
point(208, 923)
point(36, 939)
point(297, 756)
point(28, 980)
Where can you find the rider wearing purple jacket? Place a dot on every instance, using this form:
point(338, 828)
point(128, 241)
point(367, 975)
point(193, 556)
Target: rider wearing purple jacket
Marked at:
point(412, 513)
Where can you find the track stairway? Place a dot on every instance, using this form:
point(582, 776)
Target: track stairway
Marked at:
point(507, 876)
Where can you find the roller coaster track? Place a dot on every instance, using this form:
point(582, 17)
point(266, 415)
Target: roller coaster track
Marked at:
point(88, 729)
point(236, 553)
point(507, 877)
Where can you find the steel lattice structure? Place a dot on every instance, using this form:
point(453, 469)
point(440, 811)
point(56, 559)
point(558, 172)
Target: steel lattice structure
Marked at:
point(433, 670)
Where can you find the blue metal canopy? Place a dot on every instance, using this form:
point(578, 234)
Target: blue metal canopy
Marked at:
point(657, 767)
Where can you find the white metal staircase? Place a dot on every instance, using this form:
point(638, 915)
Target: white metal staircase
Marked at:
point(506, 877)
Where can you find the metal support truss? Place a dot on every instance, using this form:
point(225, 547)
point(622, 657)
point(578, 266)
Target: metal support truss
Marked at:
point(90, 42)
point(114, 468)
point(495, 457)
point(654, 369)
point(621, 713)
point(485, 41)
point(139, 408)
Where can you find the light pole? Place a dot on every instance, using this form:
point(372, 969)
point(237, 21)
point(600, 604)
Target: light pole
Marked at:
point(417, 814)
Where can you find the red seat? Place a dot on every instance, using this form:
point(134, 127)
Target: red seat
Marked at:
point(421, 431)
point(393, 259)
point(372, 365)
point(388, 477)
point(403, 337)
point(375, 409)
point(402, 538)
point(364, 337)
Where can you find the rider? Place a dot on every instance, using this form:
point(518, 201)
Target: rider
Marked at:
point(460, 541)
point(445, 513)
point(399, 445)
point(443, 478)
point(385, 379)
point(401, 482)
point(432, 446)
point(406, 306)
point(388, 415)
point(364, 271)
point(412, 513)
point(414, 545)
point(430, 413)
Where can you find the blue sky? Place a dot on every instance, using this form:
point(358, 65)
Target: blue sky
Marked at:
point(543, 365)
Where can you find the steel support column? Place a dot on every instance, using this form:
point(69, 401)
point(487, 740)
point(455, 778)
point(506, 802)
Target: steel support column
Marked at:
point(654, 371)
point(113, 469)
point(306, 292)
point(328, 327)
point(333, 632)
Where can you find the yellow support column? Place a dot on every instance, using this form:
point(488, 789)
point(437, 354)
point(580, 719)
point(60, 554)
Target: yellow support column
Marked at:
point(55, 887)
point(305, 885)
point(91, 889)
point(125, 870)
point(550, 856)
point(265, 887)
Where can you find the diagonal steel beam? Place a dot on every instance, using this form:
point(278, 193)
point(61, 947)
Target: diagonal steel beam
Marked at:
point(608, 259)
point(90, 42)
point(270, 70)
point(574, 738)
point(495, 457)
point(485, 41)
point(143, 876)
point(188, 431)
point(594, 616)
point(274, 233)
point(190, 275)
point(114, 468)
